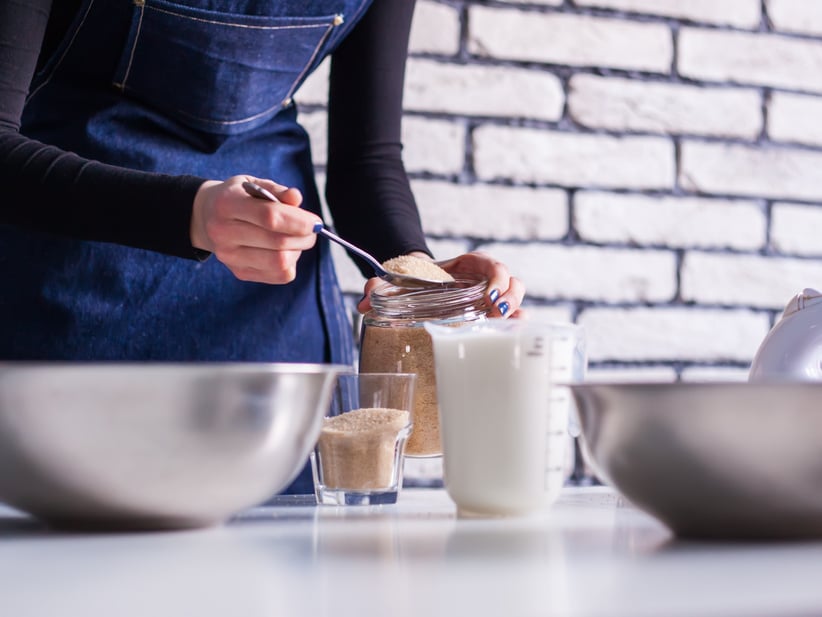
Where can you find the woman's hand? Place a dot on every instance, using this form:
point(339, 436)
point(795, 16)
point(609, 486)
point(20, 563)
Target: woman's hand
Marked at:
point(504, 293)
point(258, 240)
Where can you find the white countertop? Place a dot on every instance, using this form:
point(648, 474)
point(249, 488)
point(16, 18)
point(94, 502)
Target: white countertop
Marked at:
point(591, 554)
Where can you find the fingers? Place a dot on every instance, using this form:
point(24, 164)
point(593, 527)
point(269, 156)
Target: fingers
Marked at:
point(260, 265)
point(237, 233)
point(281, 216)
point(364, 303)
point(506, 303)
point(257, 239)
point(505, 293)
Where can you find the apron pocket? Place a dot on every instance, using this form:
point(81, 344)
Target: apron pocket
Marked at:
point(218, 72)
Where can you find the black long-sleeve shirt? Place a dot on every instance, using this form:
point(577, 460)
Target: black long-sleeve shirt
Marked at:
point(45, 188)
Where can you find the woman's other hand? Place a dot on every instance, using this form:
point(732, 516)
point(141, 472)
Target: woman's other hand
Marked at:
point(504, 293)
point(258, 240)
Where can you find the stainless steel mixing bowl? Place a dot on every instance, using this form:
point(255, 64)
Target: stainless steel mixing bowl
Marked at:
point(155, 446)
point(711, 460)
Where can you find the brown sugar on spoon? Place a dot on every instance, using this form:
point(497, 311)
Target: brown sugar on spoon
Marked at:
point(417, 267)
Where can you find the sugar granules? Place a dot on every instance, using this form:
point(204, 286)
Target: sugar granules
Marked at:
point(408, 350)
point(416, 266)
point(357, 448)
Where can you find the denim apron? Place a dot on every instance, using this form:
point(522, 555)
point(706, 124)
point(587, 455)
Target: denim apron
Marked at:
point(197, 87)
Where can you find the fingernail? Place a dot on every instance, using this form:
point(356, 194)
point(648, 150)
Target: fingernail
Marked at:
point(503, 308)
point(494, 295)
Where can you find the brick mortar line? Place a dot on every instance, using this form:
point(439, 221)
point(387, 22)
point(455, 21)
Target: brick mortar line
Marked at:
point(765, 23)
point(631, 246)
point(763, 252)
point(564, 124)
point(566, 72)
point(769, 250)
point(638, 17)
point(670, 304)
point(612, 364)
point(658, 193)
point(679, 260)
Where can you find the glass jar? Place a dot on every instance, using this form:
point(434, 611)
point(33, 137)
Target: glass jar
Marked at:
point(393, 340)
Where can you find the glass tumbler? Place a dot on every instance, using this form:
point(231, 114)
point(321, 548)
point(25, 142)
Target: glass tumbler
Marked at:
point(358, 456)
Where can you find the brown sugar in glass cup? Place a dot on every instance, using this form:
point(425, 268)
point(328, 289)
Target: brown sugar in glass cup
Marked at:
point(359, 454)
point(393, 340)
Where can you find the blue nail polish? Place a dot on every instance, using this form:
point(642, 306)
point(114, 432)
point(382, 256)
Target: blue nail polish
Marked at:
point(493, 295)
point(503, 308)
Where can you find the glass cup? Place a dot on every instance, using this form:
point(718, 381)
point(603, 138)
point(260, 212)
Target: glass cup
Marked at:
point(358, 456)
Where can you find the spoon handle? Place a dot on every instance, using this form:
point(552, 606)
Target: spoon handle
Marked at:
point(320, 228)
point(255, 190)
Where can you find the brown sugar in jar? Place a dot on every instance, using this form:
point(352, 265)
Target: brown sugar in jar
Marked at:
point(393, 340)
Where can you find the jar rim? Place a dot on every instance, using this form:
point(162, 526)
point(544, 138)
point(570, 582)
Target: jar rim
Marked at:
point(462, 285)
point(466, 294)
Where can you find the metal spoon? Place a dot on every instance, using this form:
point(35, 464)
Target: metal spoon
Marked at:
point(403, 280)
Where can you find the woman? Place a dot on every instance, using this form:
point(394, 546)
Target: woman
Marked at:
point(126, 131)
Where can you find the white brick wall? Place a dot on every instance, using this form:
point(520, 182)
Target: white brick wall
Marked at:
point(797, 229)
point(795, 118)
point(492, 212)
point(569, 39)
point(436, 29)
point(733, 169)
point(315, 122)
point(555, 271)
point(740, 13)
point(644, 334)
point(573, 159)
point(745, 58)
point(745, 280)
point(693, 222)
point(482, 90)
point(622, 104)
point(432, 145)
point(803, 16)
point(651, 169)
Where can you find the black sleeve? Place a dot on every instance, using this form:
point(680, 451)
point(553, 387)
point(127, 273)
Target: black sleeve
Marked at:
point(367, 187)
point(48, 189)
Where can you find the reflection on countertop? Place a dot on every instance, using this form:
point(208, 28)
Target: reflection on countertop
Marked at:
point(591, 554)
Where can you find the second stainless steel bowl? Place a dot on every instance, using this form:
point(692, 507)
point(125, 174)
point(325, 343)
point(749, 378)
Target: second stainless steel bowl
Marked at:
point(718, 460)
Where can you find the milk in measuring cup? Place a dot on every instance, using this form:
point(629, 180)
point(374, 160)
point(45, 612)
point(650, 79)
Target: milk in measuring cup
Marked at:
point(494, 387)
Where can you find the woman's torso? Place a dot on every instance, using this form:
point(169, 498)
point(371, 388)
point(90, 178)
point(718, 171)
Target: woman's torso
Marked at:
point(202, 88)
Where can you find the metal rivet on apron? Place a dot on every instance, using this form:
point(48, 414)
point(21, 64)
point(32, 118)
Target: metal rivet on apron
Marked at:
point(287, 102)
point(338, 20)
point(139, 2)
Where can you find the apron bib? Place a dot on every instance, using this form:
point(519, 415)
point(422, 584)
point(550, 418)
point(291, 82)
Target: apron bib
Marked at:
point(192, 87)
point(198, 87)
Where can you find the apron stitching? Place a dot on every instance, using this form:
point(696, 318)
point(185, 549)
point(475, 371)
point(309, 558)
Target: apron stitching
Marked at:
point(235, 25)
point(337, 21)
point(228, 122)
point(65, 52)
point(122, 84)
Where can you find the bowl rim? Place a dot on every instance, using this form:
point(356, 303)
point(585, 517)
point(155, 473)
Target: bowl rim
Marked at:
point(194, 366)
